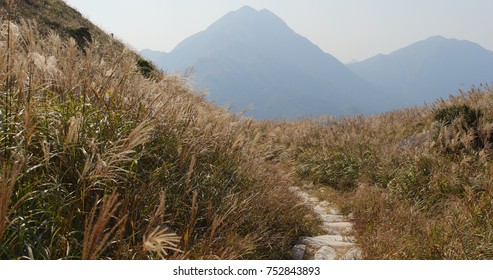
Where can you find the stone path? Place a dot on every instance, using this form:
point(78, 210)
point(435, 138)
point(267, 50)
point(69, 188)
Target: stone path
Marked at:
point(336, 244)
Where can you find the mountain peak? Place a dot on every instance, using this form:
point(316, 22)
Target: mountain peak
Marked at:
point(436, 38)
point(429, 69)
point(441, 40)
point(247, 12)
point(442, 43)
point(247, 9)
point(252, 57)
point(250, 20)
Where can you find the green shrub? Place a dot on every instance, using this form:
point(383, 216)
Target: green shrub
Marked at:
point(460, 123)
point(145, 67)
point(82, 36)
point(449, 114)
point(337, 170)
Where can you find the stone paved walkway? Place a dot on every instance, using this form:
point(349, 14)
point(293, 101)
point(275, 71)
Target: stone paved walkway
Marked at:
point(336, 243)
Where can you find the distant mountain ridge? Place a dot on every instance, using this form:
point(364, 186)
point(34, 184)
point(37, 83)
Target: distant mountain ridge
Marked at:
point(253, 57)
point(429, 69)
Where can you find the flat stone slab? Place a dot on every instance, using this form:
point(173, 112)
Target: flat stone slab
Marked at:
point(313, 200)
point(303, 195)
point(340, 225)
point(353, 254)
point(329, 218)
point(327, 240)
point(326, 253)
point(294, 189)
point(324, 204)
point(333, 210)
point(319, 210)
point(299, 252)
point(329, 231)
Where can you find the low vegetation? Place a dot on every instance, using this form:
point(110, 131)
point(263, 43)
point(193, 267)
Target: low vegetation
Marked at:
point(418, 181)
point(99, 161)
point(103, 157)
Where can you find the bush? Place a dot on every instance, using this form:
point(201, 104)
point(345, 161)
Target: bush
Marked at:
point(82, 36)
point(145, 67)
point(449, 114)
point(459, 128)
point(337, 170)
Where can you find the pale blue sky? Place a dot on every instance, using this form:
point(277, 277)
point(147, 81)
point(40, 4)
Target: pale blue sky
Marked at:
point(347, 29)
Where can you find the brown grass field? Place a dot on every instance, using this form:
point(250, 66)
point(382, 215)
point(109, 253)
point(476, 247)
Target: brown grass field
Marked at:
point(103, 157)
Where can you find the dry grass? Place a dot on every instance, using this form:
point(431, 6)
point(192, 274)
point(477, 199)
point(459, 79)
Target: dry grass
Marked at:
point(8, 178)
point(419, 188)
point(104, 147)
point(100, 159)
point(52, 15)
point(160, 241)
point(98, 234)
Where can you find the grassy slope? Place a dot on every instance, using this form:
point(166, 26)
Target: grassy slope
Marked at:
point(419, 188)
point(98, 161)
point(51, 15)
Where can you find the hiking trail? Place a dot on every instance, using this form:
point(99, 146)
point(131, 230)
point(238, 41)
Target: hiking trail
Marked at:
point(336, 243)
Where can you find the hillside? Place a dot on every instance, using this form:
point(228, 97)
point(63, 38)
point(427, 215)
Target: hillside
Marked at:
point(55, 16)
point(251, 57)
point(100, 160)
point(418, 181)
point(428, 70)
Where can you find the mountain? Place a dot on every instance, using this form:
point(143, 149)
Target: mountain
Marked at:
point(253, 57)
point(430, 69)
point(152, 55)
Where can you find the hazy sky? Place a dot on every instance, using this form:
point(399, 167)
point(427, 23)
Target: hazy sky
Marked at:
point(347, 29)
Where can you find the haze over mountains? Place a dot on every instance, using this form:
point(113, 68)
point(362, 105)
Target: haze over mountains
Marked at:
point(427, 70)
point(251, 57)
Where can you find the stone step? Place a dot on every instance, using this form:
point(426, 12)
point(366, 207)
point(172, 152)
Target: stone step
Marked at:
point(319, 210)
point(326, 253)
point(334, 244)
point(327, 240)
point(299, 252)
point(330, 218)
point(329, 231)
point(353, 254)
point(324, 204)
point(294, 189)
point(341, 227)
point(333, 210)
point(313, 200)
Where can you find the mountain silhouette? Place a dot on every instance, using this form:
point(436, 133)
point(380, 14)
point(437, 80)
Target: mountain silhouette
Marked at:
point(251, 57)
point(430, 69)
